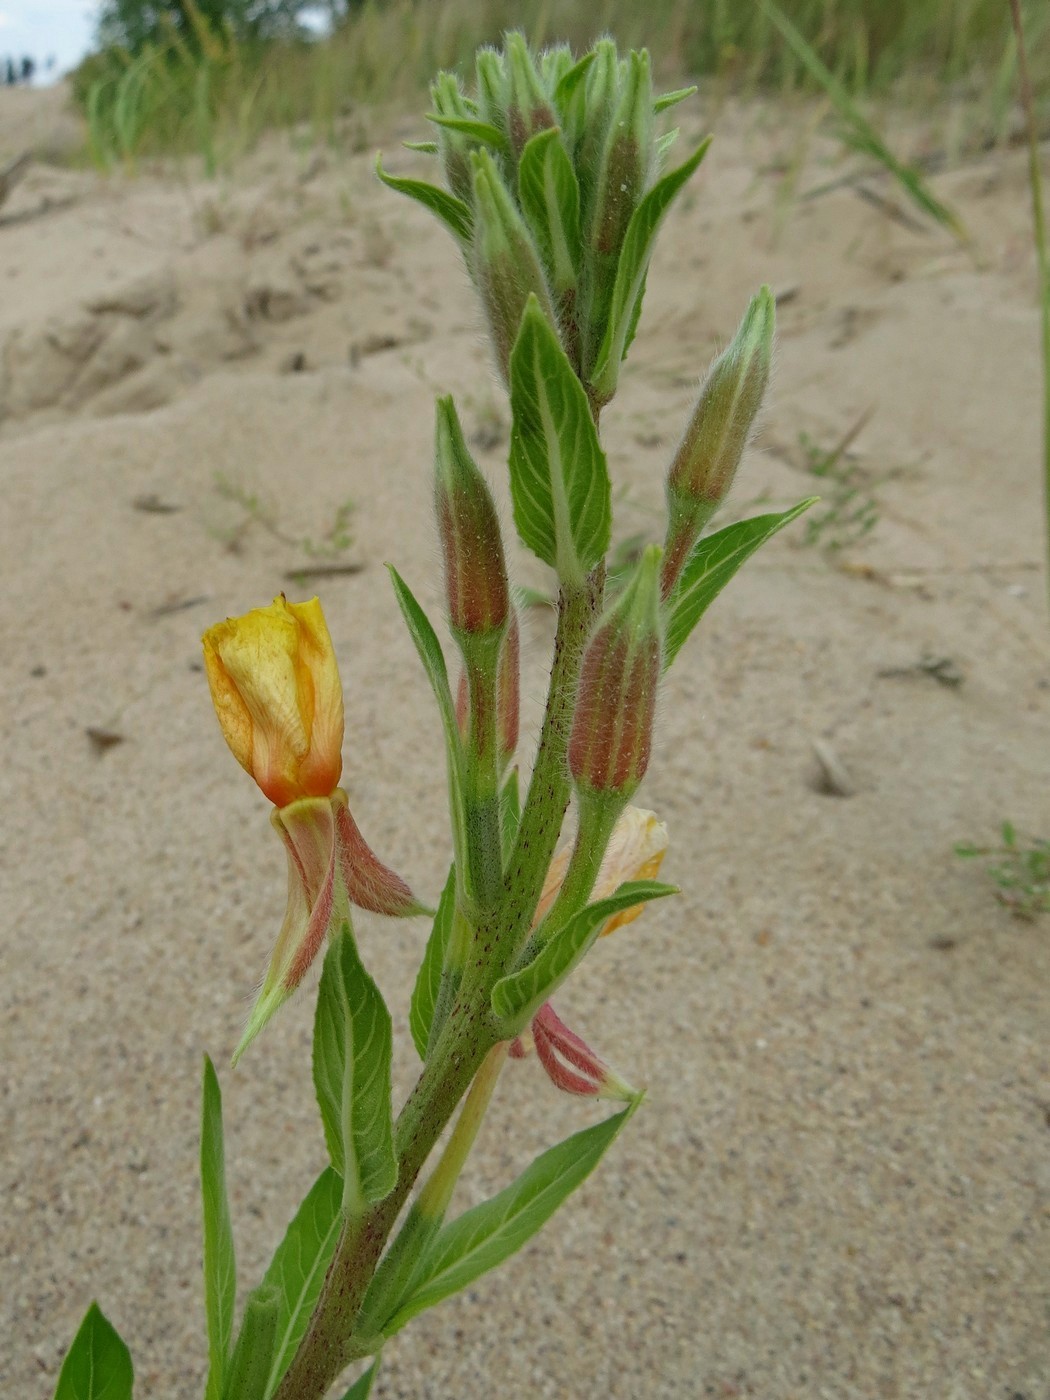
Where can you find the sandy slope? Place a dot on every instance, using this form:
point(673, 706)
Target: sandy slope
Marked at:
point(839, 1184)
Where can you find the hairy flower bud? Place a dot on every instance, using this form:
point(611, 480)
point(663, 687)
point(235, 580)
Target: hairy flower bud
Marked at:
point(707, 458)
point(454, 148)
point(529, 109)
point(626, 158)
point(276, 690)
point(471, 542)
point(492, 88)
point(612, 724)
point(506, 264)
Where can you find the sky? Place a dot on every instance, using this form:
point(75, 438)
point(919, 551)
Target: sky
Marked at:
point(42, 28)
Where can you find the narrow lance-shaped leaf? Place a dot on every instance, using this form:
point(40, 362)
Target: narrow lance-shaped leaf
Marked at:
point(433, 659)
point(483, 132)
point(549, 194)
point(672, 99)
point(428, 979)
point(220, 1270)
point(452, 212)
point(713, 562)
point(635, 256)
point(299, 1265)
point(98, 1364)
point(352, 1048)
point(517, 997)
point(483, 1237)
point(559, 480)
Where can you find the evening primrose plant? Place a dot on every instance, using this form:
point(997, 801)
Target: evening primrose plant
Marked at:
point(555, 186)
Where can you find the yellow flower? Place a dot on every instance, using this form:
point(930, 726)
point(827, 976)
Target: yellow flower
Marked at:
point(275, 686)
point(635, 852)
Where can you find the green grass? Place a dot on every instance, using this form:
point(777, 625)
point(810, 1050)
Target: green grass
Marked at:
point(1020, 871)
point(216, 97)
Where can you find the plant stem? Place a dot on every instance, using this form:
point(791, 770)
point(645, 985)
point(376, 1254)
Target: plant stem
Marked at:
point(468, 1034)
point(1041, 252)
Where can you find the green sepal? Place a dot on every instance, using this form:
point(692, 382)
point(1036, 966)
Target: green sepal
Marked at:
point(250, 1364)
point(452, 212)
point(428, 980)
point(98, 1364)
point(362, 1387)
point(631, 268)
point(517, 997)
point(483, 132)
point(299, 1265)
point(672, 99)
point(559, 479)
point(713, 561)
point(351, 1062)
point(484, 1237)
point(549, 194)
point(220, 1268)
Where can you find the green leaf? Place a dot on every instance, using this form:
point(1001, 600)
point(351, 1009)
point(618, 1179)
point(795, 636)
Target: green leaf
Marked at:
point(672, 99)
point(299, 1265)
point(483, 1237)
point(483, 132)
point(665, 142)
point(433, 659)
point(635, 256)
point(509, 813)
point(559, 480)
point(860, 134)
point(713, 562)
point(549, 194)
point(428, 979)
point(450, 210)
point(362, 1387)
point(220, 1269)
point(352, 1048)
point(569, 82)
point(98, 1364)
point(426, 148)
point(250, 1363)
point(517, 997)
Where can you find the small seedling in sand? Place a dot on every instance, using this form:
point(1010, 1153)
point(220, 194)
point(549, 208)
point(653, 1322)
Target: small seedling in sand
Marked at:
point(847, 510)
point(328, 547)
point(556, 187)
point(1021, 871)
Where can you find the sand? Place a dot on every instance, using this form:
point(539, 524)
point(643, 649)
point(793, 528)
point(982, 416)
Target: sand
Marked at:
point(839, 1185)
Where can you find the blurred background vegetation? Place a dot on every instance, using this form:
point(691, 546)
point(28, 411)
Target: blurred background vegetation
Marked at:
point(209, 76)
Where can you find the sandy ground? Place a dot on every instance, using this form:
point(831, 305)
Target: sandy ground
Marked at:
point(840, 1183)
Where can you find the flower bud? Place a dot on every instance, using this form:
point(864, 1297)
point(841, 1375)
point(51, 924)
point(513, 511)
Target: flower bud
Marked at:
point(589, 121)
point(626, 158)
point(612, 724)
point(506, 264)
point(571, 1064)
point(475, 571)
point(707, 458)
point(454, 148)
point(275, 686)
point(492, 88)
point(529, 109)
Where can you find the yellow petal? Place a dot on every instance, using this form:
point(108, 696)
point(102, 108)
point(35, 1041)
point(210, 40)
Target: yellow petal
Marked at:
point(275, 685)
point(635, 852)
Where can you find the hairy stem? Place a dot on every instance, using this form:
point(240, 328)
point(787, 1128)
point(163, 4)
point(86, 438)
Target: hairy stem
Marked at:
point(329, 1344)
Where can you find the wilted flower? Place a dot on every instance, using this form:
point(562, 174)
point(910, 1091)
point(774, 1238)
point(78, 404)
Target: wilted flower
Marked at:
point(275, 686)
point(635, 851)
point(276, 689)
